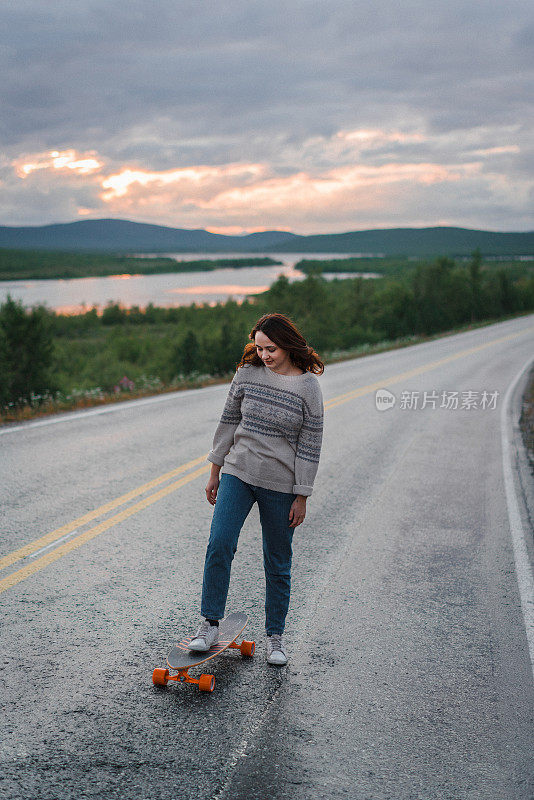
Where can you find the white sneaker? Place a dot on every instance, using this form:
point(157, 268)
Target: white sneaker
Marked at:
point(276, 653)
point(206, 636)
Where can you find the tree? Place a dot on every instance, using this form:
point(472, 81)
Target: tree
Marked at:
point(394, 311)
point(228, 346)
point(431, 285)
point(507, 293)
point(4, 370)
point(279, 295)
point(26, 341)
point(187, 353)
point(475, 278)
point(113, 314)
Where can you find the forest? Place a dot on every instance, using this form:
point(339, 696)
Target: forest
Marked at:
point(57, 361)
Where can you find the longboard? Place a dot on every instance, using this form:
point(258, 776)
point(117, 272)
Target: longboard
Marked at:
point(181, 658)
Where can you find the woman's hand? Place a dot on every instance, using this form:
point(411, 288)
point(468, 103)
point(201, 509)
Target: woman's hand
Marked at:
point(298, 511)
point(212, 488)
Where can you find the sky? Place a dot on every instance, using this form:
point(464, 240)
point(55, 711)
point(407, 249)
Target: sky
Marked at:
point(240, 116)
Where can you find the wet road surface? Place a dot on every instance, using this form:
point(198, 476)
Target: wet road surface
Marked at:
point(409, 673)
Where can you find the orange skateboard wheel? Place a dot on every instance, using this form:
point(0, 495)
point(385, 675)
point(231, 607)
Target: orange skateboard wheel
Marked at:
point(160, 677)
point(206, 683)
point(247, 648)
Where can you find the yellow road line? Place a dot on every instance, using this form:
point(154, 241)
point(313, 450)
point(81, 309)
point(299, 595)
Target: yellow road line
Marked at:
point(78, 541)
point(48, 538)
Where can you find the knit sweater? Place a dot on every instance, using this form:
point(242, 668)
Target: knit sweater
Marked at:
point(271, 428)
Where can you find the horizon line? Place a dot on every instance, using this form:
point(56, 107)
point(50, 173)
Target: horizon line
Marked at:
point(266, 230)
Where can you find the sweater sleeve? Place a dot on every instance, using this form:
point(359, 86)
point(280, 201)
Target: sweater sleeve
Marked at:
point(309, 443)
point(230, 419)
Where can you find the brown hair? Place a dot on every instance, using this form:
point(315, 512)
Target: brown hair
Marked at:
point(285, 334)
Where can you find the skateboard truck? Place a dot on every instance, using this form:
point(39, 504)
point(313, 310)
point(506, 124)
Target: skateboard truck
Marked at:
point(206, 683)
point(181, 659)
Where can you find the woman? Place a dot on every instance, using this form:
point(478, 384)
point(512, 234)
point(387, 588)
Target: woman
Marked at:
point(268, 443)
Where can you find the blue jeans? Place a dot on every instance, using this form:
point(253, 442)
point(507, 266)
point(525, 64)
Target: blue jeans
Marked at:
point(235, 498)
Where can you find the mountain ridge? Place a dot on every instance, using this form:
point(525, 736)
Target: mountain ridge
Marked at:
point(120, 236)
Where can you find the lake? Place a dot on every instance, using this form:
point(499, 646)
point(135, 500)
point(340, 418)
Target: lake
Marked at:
point(73, 296)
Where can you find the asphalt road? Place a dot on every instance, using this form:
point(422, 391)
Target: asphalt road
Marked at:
point(410, 676)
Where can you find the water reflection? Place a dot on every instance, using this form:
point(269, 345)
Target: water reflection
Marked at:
point(78, 295)
point(230, 290)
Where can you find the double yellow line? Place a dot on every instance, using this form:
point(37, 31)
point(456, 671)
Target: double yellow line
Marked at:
point(53, 538)
point(60, 533)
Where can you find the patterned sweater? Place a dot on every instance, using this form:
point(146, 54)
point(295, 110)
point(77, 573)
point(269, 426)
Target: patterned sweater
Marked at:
point(271, 429)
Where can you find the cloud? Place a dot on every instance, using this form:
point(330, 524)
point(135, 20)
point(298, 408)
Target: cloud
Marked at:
point(189, 181)
point(322, 98)
point(55, 160)
point(354, 178)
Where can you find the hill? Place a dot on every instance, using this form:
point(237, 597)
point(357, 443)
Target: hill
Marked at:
point(124, 236)
point(120, 235)
point(424, 242)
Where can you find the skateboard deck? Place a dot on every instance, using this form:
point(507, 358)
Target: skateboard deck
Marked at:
point(181, 658)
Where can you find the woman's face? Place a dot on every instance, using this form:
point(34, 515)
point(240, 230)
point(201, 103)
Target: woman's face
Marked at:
point(271, 354)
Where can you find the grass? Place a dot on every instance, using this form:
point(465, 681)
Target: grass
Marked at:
point(87, 398)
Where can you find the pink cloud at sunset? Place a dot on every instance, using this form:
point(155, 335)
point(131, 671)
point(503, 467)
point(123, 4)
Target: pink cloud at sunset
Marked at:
point(305, 190)
point(345, 115)
point(82, 164)
point(260, 195)
point(189, 178)
point(377, 135)
point(233, 230)
point(349, 178)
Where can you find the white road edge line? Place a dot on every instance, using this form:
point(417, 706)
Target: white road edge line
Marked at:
point(525, 579)
point(54, 543)
point(107, 409)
